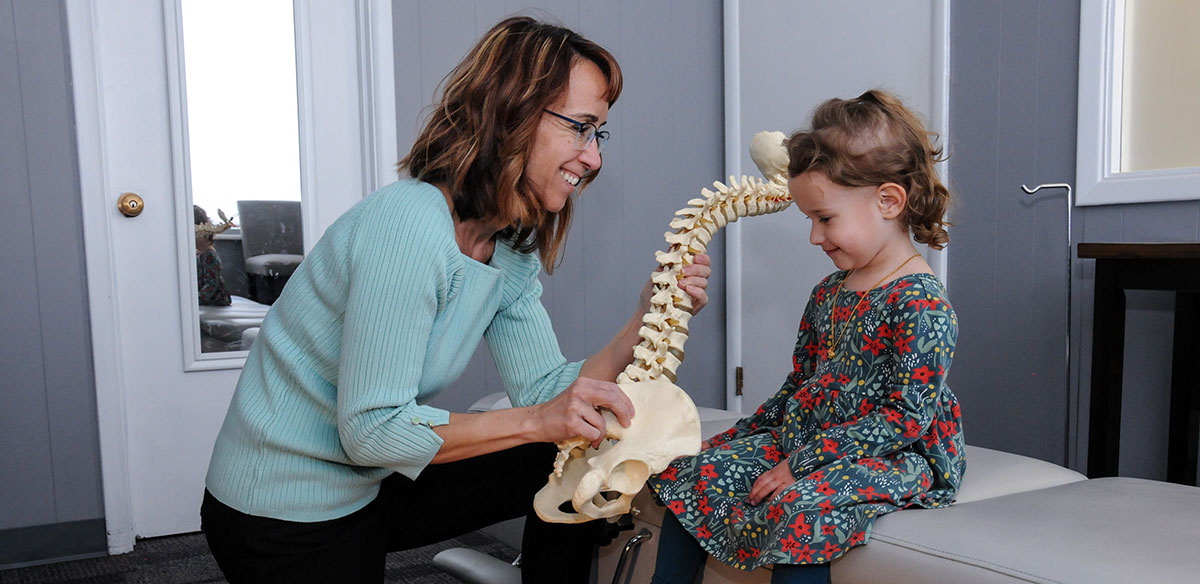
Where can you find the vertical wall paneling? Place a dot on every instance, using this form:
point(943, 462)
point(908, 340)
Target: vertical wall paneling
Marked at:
point(1013, 110)
point(1012, 119)
point(666, 145)
point(50, 468)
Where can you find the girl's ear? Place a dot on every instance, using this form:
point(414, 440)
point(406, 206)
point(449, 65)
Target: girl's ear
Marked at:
point(892, 199)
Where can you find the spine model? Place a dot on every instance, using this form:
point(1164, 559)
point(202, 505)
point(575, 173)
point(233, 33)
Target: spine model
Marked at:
point(667, 424)
point(665, 326)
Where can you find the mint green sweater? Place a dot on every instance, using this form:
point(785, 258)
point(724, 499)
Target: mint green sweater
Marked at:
point(381, 315)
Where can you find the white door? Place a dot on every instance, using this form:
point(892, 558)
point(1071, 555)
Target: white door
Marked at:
point(160, 400)
point(771, 266)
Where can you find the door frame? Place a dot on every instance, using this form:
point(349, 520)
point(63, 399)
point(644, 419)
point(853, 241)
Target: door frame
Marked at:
point(370, 53)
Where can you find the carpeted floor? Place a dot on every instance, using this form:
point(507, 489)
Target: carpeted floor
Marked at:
point(185, 559)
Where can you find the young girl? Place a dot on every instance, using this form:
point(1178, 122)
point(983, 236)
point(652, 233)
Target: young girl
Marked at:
point(865, 424)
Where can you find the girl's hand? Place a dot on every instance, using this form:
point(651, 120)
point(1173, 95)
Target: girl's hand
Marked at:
point(771, 483)
point(694, 282)
point(705, 445)
point(575, 411)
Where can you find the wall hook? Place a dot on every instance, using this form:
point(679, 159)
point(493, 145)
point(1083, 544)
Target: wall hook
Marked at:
point(1070, 277)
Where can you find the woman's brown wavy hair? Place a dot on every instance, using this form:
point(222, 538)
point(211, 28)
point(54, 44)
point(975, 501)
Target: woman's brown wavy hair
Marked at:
point(480, 134)
point(873, 139)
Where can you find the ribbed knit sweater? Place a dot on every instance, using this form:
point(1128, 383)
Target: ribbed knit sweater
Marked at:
point(380, 316)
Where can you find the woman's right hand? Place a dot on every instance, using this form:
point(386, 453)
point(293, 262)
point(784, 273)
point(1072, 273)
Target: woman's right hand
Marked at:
point(575, 411)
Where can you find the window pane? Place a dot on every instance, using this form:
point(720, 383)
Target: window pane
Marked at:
point(1160, 118)
point(240, 62)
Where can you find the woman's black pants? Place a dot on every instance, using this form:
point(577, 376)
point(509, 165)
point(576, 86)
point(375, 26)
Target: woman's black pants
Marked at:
point(446, 500)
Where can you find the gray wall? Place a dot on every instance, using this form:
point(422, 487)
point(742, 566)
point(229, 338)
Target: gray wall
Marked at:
point(50, 462)
point(666, 144)
point(1013, 93)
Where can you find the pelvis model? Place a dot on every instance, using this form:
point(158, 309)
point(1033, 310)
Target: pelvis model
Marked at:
point(666, 425)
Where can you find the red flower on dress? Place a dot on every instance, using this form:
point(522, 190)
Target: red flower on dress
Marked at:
point(865, 407)
point(700, 486)
point(772, 453)
point(669, 474)
point(923, 374)
point(676, 507)
point(828, 529)
point(703, 506)
point(825, 489)
point(703, 532)
point(708, 471)
point(826, 506)
point(857, 538)
point(884, 331)
point(872, 345)
point(790, 496)
point(902, 345)
point(774, 512)
point(817, 476)
point(804, 554)
point(807, 400)
point(911, 428)
point(893, 415)
point(800, 528)
point(825, 380)
point(870, 493)
point(830, 549)
point(789, 544)
point(829, 446)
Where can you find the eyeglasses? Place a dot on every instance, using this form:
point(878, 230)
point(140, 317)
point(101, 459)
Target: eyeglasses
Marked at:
point(585, 132)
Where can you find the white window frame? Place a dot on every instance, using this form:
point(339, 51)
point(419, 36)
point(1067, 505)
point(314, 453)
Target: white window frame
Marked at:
point(1098, 179)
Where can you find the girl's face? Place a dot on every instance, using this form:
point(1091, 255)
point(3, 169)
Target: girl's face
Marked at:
point(556, 165)
point(848, 223)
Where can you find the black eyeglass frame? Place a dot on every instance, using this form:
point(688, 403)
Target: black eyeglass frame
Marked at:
point(581, 130)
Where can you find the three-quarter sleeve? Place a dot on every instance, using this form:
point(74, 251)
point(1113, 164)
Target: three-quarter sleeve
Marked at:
point(400, 280)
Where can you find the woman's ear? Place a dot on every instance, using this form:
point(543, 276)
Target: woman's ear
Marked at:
point(892, 199)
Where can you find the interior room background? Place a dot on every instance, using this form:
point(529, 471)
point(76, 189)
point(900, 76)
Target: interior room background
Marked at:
point(1011, 118)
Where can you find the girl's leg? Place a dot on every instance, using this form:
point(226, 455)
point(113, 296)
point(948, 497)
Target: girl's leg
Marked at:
point(451, 499)
point(680, 556)
point(800, 574)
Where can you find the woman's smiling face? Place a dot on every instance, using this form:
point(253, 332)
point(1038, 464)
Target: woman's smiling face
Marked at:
point(556, 165)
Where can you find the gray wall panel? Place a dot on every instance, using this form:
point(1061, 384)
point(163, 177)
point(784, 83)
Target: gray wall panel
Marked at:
point(1008, 273)
point(49, 469)
point(1014, 67)
point(26, 475)
point(61, 281)
point(667, 144)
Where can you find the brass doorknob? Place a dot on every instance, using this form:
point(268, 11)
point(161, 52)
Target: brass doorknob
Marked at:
point(130, 204)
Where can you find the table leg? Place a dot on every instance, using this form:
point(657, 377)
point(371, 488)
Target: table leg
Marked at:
point(1184, 428)
point(1108, 351)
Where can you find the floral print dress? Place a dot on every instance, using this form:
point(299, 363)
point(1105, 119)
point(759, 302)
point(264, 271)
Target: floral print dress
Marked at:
point(870, 431)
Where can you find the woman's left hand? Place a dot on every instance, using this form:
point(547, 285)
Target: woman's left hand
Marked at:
point(769, 484)
point(694, 282)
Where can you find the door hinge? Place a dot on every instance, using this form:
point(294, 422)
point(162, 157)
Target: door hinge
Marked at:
point(737, 381)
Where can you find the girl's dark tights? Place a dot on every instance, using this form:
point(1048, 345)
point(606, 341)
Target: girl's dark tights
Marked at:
point(680, 559)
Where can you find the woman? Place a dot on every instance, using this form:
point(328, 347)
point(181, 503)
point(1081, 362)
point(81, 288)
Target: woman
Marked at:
point(328, 458)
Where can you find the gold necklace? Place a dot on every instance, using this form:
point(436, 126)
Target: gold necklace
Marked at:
point(838, 340)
